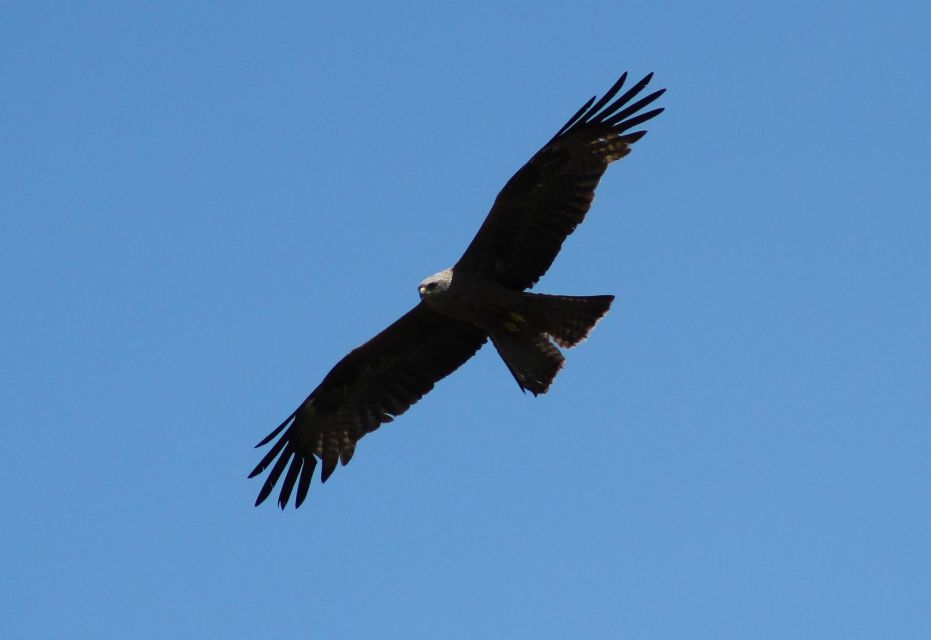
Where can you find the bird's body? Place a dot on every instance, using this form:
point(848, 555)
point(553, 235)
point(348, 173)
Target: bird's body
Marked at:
point(465, 296)
point(482, 296)
point(519, 324)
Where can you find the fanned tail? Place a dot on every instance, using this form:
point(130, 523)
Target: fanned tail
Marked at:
point(524, 341)
point(569, 319)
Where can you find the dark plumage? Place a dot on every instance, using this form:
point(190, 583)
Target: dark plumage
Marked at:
point(482, 296)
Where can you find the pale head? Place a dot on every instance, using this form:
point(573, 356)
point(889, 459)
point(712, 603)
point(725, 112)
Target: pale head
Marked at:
point(437, 283)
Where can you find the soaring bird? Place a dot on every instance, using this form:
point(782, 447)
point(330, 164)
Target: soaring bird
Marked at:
point(482, 296)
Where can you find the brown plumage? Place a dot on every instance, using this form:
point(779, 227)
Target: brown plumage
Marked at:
point(482, 296)
point(375, 382)
point(550, 195)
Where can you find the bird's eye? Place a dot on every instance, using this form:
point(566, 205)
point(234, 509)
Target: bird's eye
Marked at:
point(431, 286)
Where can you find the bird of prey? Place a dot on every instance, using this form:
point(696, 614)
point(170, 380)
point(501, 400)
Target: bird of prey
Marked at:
point(482, 296)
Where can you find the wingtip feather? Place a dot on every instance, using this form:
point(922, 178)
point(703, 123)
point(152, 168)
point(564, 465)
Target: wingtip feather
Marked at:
point(578, 114)
point(303, 484)
point(640, 119)
point(611, 110)
point(610, 93)
point(276, 431)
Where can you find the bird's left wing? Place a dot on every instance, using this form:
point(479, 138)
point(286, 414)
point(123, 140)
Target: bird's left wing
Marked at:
point(370, 386)
point(550, 195)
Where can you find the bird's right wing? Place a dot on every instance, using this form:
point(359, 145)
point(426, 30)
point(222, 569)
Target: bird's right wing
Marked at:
point(549, 196)
point(370, 386)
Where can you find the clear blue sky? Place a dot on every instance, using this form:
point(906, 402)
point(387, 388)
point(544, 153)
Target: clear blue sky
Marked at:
point(204, 206)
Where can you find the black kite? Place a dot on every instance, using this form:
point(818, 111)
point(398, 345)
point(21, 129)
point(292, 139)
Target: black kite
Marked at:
point(482, 296)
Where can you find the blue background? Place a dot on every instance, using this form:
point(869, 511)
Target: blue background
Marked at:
point(206, 205)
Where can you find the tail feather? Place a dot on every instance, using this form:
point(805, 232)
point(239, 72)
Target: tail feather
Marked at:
point(524, 341)
point(531, 359)
point(569, 319)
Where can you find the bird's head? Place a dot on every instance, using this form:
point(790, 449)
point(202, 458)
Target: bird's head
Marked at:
point(437, 283)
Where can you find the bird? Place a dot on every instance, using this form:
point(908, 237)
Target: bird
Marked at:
point(483, 296)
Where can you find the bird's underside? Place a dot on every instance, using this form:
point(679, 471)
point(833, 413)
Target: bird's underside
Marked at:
point(521, 325)
point(482, 296)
